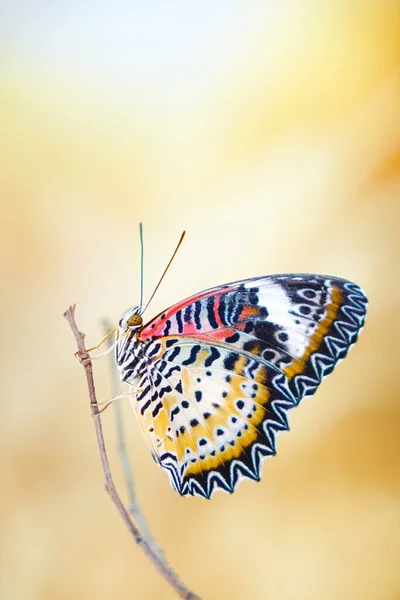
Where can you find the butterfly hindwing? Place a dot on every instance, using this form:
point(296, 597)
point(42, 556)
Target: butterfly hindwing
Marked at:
point(221, 369)
point(215, 412)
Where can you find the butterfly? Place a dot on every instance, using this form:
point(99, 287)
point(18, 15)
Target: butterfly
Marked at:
point(216, 374)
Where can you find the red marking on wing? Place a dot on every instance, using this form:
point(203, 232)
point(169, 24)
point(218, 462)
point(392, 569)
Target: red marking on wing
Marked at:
point(248, 312)
point(155, 328)
point(216, 312)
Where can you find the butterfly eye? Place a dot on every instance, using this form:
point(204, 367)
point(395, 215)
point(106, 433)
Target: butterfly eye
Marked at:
point(135, 320)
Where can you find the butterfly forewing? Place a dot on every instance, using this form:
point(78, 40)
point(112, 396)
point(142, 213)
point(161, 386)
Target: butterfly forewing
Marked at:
point(219, 370)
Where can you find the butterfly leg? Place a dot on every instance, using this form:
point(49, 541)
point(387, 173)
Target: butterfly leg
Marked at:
point(106, 403)
point(78, 354)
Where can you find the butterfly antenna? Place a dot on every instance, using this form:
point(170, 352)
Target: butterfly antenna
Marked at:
point(141, 264)
point(165, 271)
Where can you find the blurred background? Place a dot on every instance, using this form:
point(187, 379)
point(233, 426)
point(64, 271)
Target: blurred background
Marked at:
point(270, 131)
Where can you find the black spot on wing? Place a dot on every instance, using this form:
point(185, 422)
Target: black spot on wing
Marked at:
point(165, 390)
point(171, 342)
point(157, 409)
point(175, 411)
point(145, 406)
point(167, 327)
point(282, 336)
point(251, 345)
point(249, 326)
point(187, 315)
point(157, 380)
point(143, 393)
point(253, 297)
point(197, 312)
point(230, 360)
point(222, 309)
point(178, 317)
point(154, 350)
point(210, 312)
point(232, 339)
point(238, 306)
point(174, 353)
point(309, 293)
point(172, 370)
point(193, 355)
point(214, 355)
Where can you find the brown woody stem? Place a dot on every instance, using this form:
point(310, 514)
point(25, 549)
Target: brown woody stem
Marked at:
point(156, 558)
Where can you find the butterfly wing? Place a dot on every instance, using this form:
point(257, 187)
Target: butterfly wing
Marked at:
point(225, 365)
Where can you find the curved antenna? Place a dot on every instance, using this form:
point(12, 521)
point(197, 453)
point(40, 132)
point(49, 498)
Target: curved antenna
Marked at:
point(165, 271)
point(141, 264)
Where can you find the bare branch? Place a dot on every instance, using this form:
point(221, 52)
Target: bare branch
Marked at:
point(157, 560)
point(133, 503)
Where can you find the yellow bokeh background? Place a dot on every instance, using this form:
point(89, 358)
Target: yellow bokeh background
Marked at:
point(270, 131)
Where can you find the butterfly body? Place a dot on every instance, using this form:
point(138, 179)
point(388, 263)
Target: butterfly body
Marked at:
point(217, 372)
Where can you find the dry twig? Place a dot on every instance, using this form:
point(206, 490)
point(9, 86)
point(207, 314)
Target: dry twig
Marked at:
point(133, 504)
point(157, 559)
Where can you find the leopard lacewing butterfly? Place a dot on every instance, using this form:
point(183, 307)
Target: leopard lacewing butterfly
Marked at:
point(216, 373)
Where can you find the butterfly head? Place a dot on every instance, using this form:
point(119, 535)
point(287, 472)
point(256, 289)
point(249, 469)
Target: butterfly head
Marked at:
point(131, 320)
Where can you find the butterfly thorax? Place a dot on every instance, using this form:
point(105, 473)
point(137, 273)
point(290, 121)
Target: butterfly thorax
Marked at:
point(131, 353)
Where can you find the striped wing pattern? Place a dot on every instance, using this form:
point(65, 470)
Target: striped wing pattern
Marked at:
point(219, 371)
